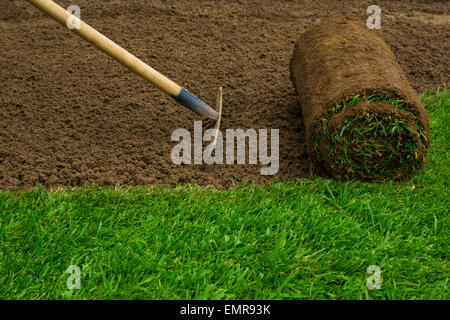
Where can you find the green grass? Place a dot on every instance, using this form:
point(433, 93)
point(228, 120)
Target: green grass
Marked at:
point(373, 147)
point(308, 239)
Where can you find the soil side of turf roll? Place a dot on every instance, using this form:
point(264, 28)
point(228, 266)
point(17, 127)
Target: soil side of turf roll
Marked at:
point(340, 58)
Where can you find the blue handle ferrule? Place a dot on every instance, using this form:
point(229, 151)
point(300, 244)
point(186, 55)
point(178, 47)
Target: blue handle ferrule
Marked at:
point(189, 100)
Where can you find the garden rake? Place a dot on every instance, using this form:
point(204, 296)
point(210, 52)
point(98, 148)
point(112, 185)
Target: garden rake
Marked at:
point(180, 94)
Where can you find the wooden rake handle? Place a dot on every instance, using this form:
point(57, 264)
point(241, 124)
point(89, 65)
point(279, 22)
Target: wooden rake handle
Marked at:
point(163, 83)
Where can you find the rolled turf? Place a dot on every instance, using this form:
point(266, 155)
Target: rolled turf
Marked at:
point(362, 117)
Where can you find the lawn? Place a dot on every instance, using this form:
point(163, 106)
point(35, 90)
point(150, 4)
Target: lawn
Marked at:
point(305, 239)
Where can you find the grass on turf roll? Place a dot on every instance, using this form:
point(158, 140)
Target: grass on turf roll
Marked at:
point(362, 117)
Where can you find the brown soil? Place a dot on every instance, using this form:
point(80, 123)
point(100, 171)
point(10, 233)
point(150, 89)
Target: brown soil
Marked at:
point(339, 58)
point(69, 115)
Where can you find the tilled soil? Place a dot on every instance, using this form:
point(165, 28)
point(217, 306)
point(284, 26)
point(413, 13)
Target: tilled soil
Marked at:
point(70, 115)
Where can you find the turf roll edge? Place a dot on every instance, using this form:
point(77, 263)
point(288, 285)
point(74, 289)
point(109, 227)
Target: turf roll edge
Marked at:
point(363, 119)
